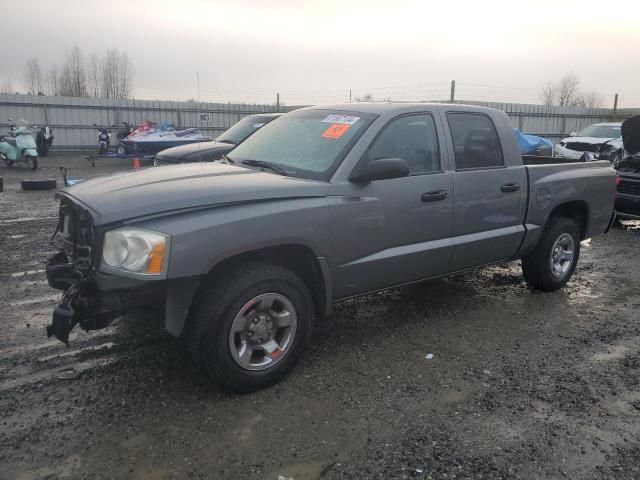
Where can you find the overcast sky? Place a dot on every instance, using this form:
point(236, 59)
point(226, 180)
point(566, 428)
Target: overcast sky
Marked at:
point(315, 51)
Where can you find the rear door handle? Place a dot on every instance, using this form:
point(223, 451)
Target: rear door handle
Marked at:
point(510, 187)
point(435, 196)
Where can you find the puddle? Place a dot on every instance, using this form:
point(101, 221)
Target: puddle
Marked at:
point(615, 352)
point(31, 301)
point(72, 353)
point(28, 272)
point(26, 219)
point(150, 473)
point(453, 396)
point(301, 471)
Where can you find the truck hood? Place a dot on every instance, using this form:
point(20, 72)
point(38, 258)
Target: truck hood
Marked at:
point(631, 135)
point(195, 152)
point(153, 191)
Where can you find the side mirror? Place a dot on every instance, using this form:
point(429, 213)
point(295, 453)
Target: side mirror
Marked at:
point(381, 169)
point(573, 134)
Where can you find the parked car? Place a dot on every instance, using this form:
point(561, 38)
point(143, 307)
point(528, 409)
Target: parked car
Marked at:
point(628, 190)
point(324, 204)
point(210, 151)
point(601, 139)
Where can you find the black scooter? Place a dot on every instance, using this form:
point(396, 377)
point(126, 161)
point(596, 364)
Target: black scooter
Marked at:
point(44, 140)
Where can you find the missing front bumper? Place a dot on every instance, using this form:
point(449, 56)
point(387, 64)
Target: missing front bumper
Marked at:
point(64, 317)
point(85, 302)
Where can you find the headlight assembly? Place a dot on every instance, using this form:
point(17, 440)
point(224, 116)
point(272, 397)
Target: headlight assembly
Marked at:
point(135, 251)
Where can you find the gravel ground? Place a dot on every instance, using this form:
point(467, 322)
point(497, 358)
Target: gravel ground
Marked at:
point(521, 384)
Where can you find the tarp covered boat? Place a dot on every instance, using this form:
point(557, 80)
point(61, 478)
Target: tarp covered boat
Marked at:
point(150, 138)
point(533, 145)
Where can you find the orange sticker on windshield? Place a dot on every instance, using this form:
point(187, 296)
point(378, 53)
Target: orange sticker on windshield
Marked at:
point(335, 131)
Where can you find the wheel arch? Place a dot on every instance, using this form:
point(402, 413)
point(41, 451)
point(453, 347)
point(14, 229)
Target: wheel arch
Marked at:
point(298, 258)
point(577, 210)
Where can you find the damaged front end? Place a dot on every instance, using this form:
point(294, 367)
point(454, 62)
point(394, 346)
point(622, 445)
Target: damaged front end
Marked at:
point(91, 299)
point(588, 151)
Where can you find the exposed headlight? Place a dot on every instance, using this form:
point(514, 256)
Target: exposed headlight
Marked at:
point(135, 251)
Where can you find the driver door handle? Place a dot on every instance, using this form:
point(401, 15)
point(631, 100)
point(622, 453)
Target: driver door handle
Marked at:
point(510, 187)
point(434, 196)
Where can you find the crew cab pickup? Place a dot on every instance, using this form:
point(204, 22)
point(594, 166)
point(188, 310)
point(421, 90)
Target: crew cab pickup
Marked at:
point(320, 205)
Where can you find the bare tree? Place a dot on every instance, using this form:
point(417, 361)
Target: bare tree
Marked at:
point(591, 99)
point(126, 76)
point(116, 74)
point(568, 89)
point(367, 97)
point(549, 94)
point(95, 66)
point(567, 93)
point(32, 77)
point(52, 81)
point(7, 86)
point(73, 78)
point(109, 75)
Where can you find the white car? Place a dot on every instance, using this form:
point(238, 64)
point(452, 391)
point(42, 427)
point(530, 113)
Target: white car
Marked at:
point(603, 140)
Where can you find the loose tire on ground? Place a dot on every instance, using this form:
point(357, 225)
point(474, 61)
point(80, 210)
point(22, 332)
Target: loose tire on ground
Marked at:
point(44, 184)
point(553, 246)
point(219, 307)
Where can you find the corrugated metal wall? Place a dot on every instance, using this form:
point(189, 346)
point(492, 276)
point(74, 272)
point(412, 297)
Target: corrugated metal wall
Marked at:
point(72, 118)
point(552, 122)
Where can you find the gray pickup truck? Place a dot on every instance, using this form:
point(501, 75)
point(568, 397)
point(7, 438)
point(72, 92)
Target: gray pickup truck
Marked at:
point(320, 205)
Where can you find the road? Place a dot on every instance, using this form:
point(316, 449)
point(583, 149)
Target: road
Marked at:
point(518, 384)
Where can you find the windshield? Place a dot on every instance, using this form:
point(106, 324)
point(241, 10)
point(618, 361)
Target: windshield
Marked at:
point(245, 127)
point(305, 143)
point(601, 131)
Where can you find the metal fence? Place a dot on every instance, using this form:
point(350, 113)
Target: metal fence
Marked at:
point(555, 123)
point(72, 119)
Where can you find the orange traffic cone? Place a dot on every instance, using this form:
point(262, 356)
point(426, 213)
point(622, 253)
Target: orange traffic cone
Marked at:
point(136, 163)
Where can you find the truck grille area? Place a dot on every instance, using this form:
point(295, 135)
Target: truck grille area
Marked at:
point(75, 234)
point(629, 188)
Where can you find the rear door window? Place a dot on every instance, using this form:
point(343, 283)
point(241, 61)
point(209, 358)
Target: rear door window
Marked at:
point(475, 141)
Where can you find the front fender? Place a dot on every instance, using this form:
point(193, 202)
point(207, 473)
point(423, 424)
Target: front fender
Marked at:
point(30, 152)
point(202, 239)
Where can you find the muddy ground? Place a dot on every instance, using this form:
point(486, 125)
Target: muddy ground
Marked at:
point(522, 384)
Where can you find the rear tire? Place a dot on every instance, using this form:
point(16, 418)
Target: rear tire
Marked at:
point(550, 265)
point(233, 315)
point(44, 184)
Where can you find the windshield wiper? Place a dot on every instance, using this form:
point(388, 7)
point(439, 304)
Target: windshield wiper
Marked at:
point(263, 164)
point(230, 142)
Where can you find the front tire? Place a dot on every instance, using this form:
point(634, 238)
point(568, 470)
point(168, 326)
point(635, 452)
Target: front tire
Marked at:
point(550, 265)
point(250, 326)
